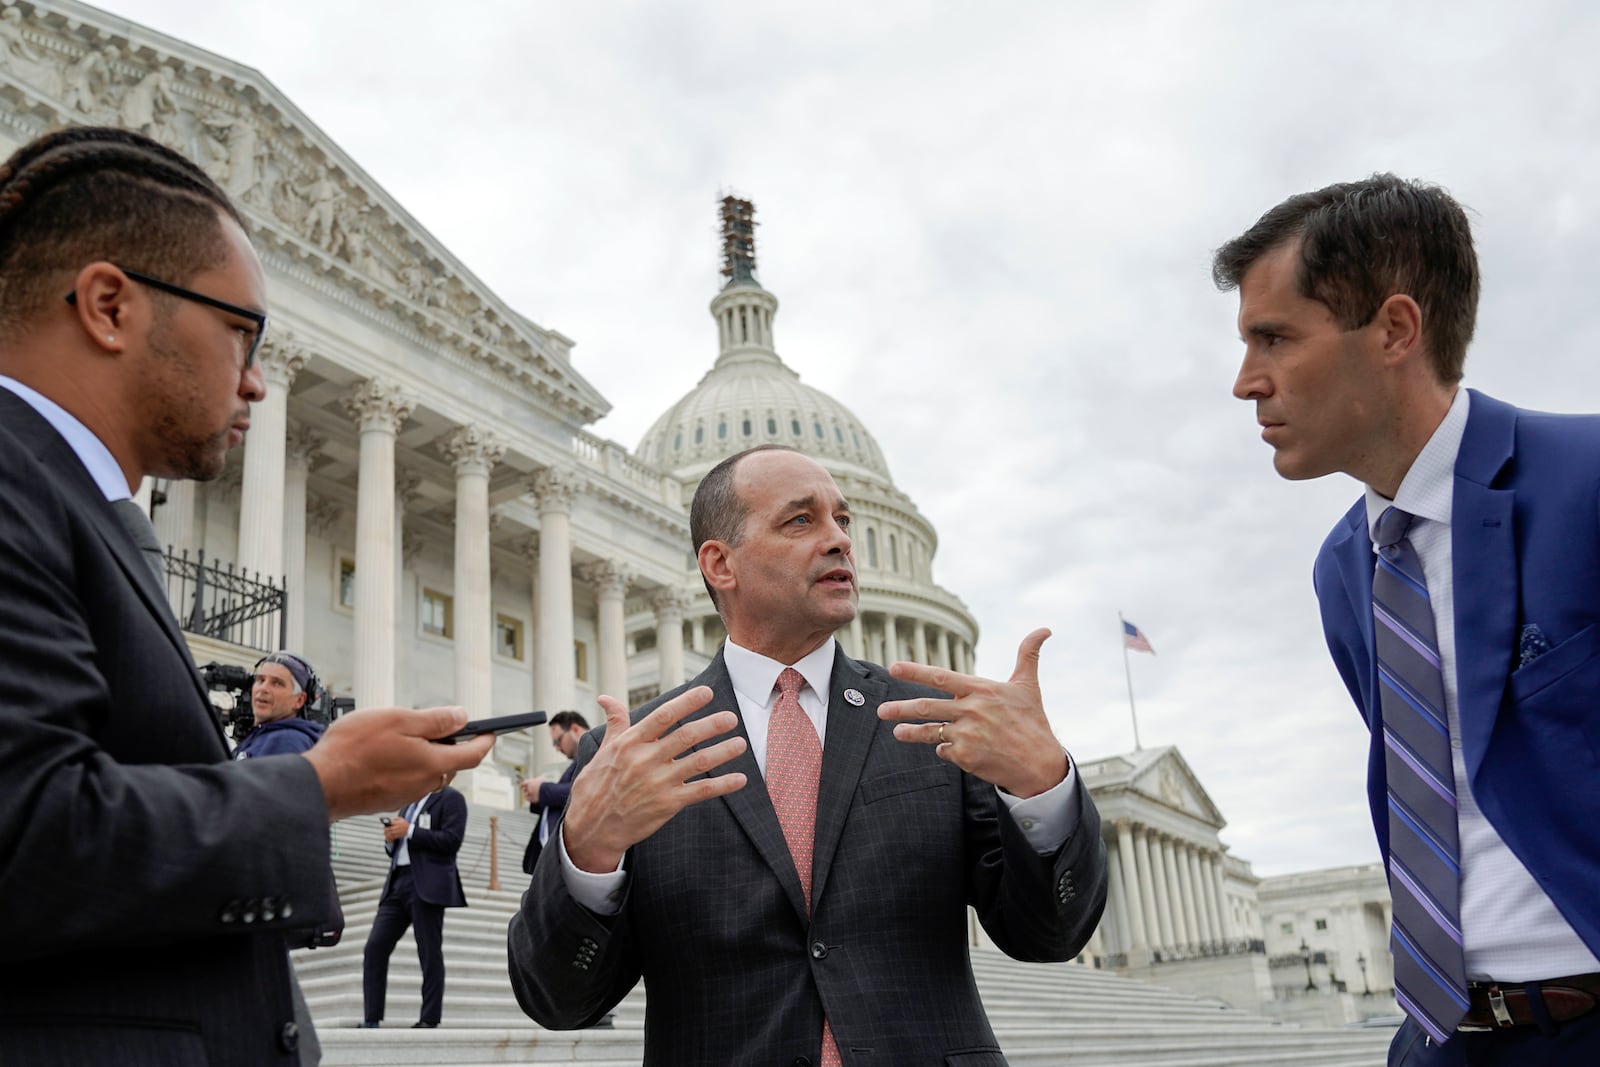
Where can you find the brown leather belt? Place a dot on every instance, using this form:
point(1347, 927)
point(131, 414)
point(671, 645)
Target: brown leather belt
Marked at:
point(1499, 1005)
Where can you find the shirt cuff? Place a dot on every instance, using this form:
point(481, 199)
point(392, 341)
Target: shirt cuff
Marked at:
point(1047, 820)
point(600, 893)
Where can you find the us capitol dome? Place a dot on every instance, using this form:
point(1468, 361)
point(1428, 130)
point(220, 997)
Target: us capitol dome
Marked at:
point(751, 397)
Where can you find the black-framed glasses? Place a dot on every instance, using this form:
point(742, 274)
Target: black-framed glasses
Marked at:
point(199, 298)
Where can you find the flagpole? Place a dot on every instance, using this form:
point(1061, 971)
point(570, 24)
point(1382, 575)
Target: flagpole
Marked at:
point(1127, 671)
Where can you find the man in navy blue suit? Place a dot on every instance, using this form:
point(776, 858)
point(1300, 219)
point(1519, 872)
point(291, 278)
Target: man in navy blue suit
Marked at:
point(548, 799)
point(1356, 306)
point(422, 842)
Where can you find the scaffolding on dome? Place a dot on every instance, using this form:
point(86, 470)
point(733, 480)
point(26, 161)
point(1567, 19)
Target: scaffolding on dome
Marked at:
point(738, 240)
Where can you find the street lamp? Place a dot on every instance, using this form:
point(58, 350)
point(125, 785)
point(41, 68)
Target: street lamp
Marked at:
point(1361, 961)
point(1305, 957)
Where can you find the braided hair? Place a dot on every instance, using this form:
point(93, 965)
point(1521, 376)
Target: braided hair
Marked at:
point(89, 193)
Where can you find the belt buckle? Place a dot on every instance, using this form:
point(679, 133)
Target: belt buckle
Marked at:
point(1497, 1004)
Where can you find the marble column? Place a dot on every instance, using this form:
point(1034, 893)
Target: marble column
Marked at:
point(301, 447)
point(1224, 909)
point(261, 497)
point(610, 580)
point(474, 452)
point(697, 634)
point(919, 642)
point(1186, 887)
point(858, 638)
point(1130, 881)
point(1208, 889)
point(1118, 901)
point(1158, 875)
point(174, 517)
point(1201, 919)
point(380, 410)
point(1180, 930)
point(1141, 854)
point(669, 604)
point(891, 641)
point(949, 658)
point(555, 687)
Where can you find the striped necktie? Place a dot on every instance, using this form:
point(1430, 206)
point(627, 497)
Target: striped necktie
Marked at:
point(794, 766)
point(1430, 975)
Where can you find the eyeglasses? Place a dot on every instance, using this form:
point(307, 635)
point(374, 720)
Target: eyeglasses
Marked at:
point(256, 317)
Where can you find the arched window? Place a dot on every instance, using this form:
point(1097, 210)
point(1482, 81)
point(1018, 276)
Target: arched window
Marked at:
point(872, 547)
point(794, 425)
point(722, 430)
point(746, 427)
point(894, 555)
point(772, 426)
point(699, 435)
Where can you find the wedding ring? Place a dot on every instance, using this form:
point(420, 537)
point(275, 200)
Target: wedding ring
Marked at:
point(942, 725)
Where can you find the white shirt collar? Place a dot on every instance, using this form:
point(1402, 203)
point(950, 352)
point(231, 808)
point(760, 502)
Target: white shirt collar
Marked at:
point(1428, 488)
point(90, 450)
point(754, 676)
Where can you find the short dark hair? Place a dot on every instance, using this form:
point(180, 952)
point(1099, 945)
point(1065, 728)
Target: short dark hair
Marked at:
point(566, 720)
point(717, 513)
point(90, 193)
point(1361, 243)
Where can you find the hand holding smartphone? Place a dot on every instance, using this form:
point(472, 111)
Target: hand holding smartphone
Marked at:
point(502, 724)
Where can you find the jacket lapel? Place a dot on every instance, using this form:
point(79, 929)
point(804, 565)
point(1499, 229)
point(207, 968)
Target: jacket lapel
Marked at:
point(1484, 570)
point(851, 731)
point(751, 806)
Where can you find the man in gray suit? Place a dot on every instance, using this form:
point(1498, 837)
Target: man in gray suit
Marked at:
point(784, 849)
point(147, 882)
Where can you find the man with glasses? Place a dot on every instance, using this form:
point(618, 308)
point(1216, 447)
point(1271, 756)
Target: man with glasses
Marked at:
point(147, 882)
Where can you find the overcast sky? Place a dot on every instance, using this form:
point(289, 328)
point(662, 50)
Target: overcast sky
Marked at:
point(990, 229)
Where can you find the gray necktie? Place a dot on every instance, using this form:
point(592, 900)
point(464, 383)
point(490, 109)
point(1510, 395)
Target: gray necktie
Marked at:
point(143, 535)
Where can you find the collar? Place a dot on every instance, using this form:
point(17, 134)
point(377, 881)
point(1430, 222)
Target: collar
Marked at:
point(755, 676)
point(1428, 488)
point(90, 450)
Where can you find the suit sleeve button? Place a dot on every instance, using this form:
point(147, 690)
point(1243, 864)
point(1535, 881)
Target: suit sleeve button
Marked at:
point(230, 913)
point(819, 951)
point(289, 1037)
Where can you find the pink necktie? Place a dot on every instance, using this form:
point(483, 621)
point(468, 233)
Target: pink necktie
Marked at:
point(794, 764)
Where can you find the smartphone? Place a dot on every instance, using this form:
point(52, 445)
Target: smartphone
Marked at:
point(385, 820)
point(503, 724)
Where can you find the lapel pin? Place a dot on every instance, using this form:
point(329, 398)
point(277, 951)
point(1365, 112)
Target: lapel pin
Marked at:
point(854, 697)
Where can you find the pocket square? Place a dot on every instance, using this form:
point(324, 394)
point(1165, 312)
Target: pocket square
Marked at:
point(1533, 644)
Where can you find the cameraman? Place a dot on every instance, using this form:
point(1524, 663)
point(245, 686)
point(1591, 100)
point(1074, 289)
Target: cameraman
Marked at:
point(284, 685)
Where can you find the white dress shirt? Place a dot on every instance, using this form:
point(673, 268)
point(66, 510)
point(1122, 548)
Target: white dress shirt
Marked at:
point(1046, 820)
point(1511, 930)
point(90, 450)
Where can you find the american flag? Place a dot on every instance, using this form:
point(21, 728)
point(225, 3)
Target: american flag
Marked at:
point(1134, 638)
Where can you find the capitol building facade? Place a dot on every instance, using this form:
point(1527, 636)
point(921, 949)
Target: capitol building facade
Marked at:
point(422, 511)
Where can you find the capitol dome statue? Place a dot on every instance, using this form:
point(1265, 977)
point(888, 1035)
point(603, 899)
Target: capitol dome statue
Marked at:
point(751, 397)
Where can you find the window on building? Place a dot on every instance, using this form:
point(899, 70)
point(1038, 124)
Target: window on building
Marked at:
point(580, 660)
point(772, 426)
point(347, 582)
point(794, 425)
point(699, 435)
point(508, 636)
point(746, 428)
point(818, 427)
point(872, 547)
point(722, 431)
point(894, 554)
point(1322, 924)
point(436, 611)
point(1286, 929)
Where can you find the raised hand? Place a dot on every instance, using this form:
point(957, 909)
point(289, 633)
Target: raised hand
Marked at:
point(997, 731)
point(640, 777)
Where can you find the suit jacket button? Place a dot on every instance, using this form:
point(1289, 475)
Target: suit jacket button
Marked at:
point(230, 912)
point(801, 1061)
point(289, 1037)
point(819, 951)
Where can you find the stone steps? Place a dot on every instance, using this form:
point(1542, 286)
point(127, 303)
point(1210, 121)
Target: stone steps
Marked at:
point(1046, 1015)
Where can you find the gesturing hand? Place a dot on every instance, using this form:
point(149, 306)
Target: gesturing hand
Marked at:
point(639, 778)
point(995, 730)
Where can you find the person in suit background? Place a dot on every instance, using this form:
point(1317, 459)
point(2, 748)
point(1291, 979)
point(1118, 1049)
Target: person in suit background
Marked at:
point(545, 798)
point(147, 882)
point(797, 892)
point(284, 684)
point(1468, 638)
point(422, 843)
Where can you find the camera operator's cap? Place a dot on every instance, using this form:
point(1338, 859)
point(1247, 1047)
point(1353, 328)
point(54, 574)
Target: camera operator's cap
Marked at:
point(297, 667)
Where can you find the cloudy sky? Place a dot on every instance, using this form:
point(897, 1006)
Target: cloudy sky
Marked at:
point(990, 228)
